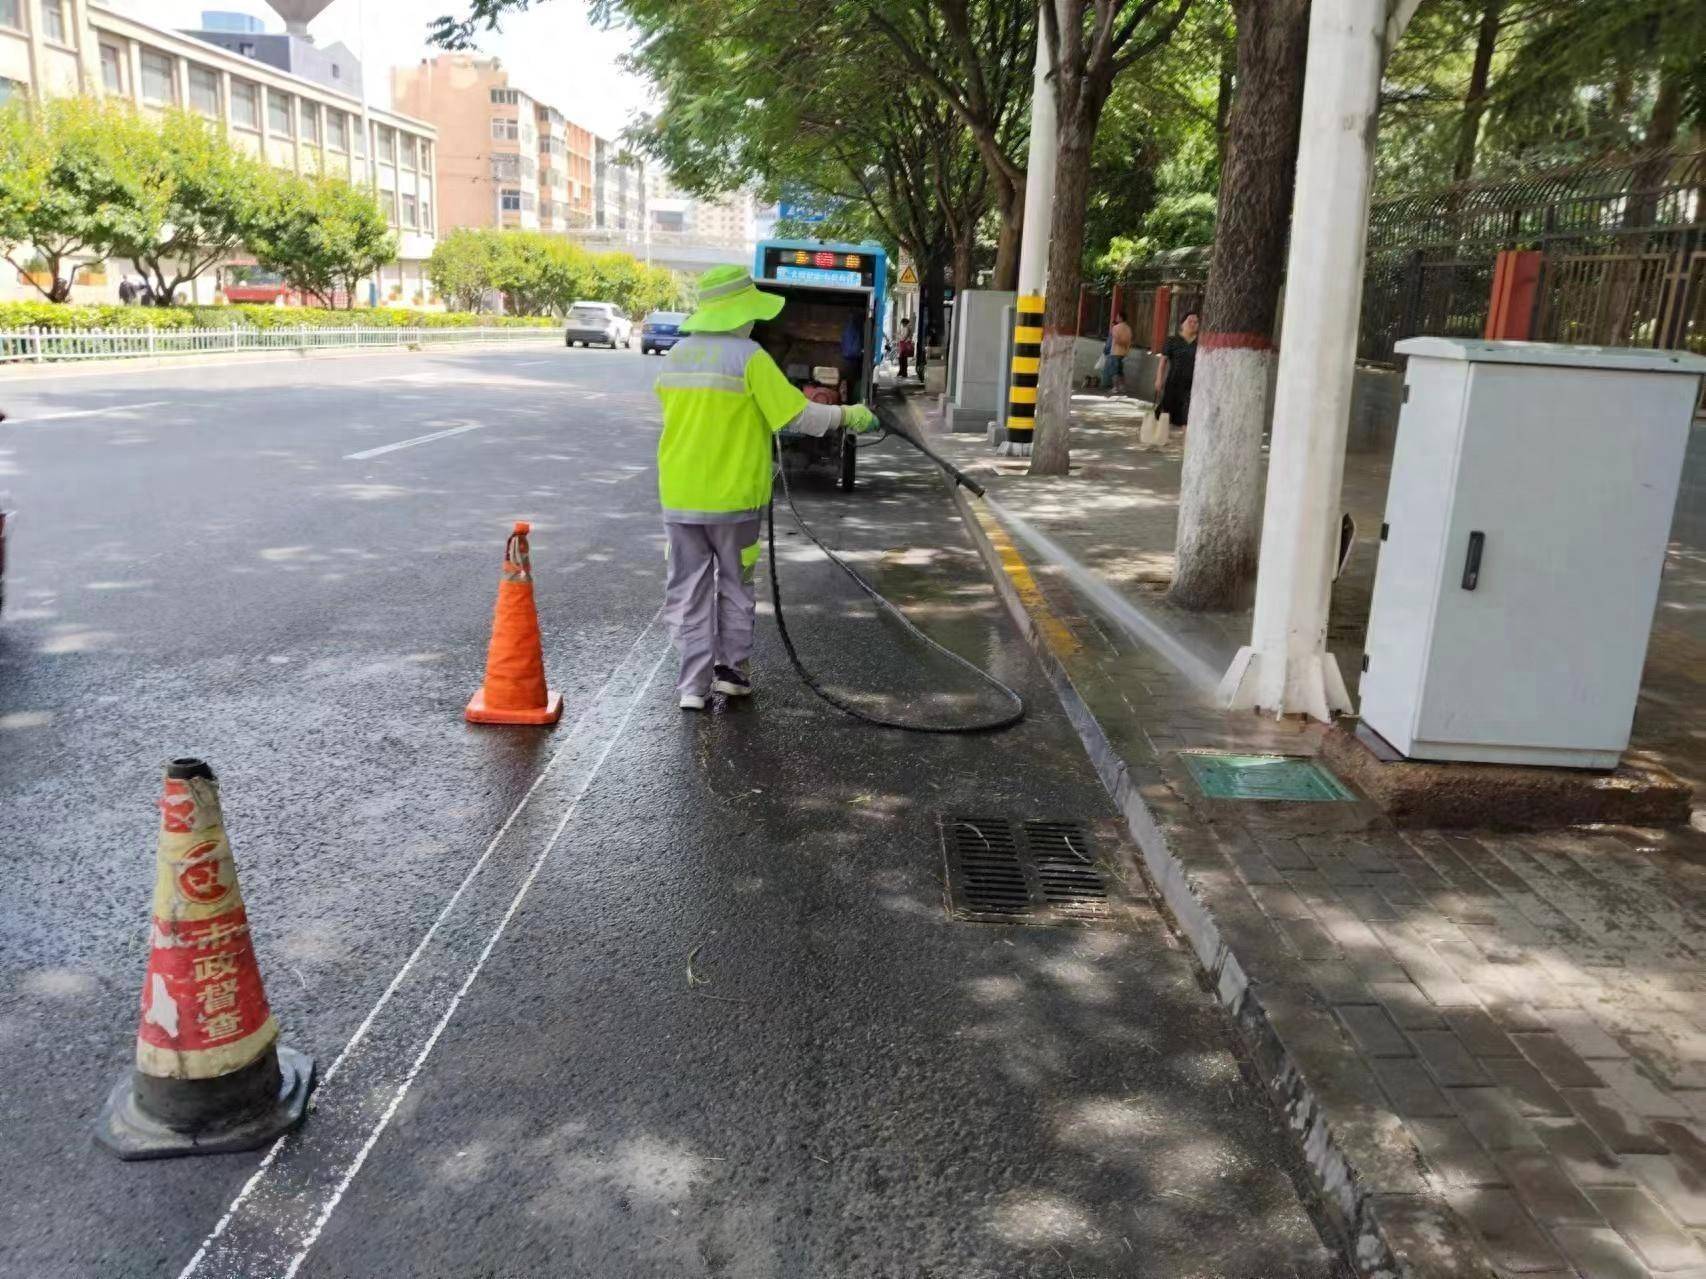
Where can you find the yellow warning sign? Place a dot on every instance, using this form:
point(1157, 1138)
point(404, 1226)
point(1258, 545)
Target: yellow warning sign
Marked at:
point(908, 276)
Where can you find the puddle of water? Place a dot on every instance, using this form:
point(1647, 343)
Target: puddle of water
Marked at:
point(1131, 618)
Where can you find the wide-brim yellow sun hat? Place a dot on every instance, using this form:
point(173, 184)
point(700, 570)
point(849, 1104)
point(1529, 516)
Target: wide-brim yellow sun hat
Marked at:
point(728, 299)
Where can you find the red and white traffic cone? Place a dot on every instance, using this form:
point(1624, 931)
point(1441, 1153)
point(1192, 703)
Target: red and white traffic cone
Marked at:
point(210, 1074)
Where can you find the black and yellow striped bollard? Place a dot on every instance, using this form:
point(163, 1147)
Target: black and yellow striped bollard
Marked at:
point(1022, 380)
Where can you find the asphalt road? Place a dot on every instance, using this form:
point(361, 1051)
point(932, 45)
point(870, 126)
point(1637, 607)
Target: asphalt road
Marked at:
point(647, 994)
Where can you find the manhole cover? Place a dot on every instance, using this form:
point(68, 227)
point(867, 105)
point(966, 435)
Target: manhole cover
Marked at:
point(1282, 777)
point(1034, 872)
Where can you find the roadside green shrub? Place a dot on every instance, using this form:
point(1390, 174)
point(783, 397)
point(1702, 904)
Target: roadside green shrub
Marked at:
point(56, 315)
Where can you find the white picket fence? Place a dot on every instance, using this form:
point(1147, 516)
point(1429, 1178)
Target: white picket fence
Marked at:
point(36, 345)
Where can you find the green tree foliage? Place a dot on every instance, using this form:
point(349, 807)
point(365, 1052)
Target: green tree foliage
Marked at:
point(193, 199)
point(87, 179)
point(1558, 84)
point(66, 166)
point(462, 267)
point(542, 274)
point(319, 233)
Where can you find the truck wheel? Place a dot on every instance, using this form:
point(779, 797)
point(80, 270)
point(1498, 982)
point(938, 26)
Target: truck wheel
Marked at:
point(849, 461)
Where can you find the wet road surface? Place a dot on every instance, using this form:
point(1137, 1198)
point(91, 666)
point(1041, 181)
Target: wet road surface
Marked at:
point(648, 994)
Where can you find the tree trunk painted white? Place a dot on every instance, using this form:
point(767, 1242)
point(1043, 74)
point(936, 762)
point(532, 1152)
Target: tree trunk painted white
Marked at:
point(1220, 501)
point(1221, 484)
point(1286, 668)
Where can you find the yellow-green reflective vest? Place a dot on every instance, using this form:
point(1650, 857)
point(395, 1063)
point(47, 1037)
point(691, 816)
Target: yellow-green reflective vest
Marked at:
point(723, 397)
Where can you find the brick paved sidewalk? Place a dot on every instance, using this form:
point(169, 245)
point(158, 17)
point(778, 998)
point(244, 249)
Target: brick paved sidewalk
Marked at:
point(1492, 1046)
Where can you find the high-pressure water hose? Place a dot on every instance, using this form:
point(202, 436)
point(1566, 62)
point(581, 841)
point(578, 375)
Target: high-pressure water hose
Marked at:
point(1007, 719)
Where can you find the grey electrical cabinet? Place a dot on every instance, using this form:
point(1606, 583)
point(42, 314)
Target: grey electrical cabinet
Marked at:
point(1526, 524)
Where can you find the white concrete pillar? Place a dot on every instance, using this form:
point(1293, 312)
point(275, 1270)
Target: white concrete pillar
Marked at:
point(1019, 413)
point(1286, 668)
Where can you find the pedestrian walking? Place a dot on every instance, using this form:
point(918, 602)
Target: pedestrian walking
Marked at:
point(1117, 347)
point(723, 399)
point(1178, 366)
point(126, 291)
point(903, 347)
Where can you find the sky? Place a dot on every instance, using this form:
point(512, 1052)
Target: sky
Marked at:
point(552, 52)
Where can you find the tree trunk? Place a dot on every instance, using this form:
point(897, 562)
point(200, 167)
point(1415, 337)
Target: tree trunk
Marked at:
point(1051, 444)
point(932, 313)
point(1010, 202)
point(1220, 490)
point(965, 260)
point(1475, 100)
point(1223, 104)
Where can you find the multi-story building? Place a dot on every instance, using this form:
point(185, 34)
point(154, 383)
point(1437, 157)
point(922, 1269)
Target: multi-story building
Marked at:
point(508, 159)
point(299, 123)
point(725, 222)
point(619, 188)
point(493, 140)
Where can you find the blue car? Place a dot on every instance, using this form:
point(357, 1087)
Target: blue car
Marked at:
point(660, 331)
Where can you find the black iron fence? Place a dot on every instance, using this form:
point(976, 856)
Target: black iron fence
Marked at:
point(1623, 262)
point(1621, 256)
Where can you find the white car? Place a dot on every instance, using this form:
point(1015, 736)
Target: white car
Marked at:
point(601, 322)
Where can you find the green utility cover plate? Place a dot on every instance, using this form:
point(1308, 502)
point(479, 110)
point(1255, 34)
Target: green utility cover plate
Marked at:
point(1283, 777)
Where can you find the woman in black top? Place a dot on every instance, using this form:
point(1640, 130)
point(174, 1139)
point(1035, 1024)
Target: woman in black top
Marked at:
point(1178, 366)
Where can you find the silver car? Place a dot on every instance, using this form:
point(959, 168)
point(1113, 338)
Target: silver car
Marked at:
point(603, 323)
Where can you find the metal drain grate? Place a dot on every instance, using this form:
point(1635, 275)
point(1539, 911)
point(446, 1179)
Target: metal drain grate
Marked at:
point(1264, 777)
point(1034, 872)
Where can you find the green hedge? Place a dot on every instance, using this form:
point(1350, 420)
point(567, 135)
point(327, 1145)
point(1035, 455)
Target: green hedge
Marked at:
point(52, 315)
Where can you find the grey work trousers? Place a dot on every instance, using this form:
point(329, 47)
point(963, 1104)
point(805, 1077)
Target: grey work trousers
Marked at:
point(709, 598)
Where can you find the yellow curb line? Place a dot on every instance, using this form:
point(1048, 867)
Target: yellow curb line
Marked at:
point(1056, 633)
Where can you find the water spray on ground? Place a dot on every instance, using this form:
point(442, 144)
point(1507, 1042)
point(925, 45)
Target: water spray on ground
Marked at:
point(1137, 623)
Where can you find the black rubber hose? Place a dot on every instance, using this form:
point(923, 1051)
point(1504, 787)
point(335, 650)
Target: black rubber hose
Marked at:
point(1005, 720)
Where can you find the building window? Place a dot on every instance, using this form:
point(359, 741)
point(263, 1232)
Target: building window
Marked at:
point(112, 63)
point(388, 202)
point(204, 91)
point(509, 201)
point(245, 105)
point(12, 14)
point(10, 89)
point(409, 211)
point(426, 157)
point(311, 123)
point(337, 130)
point(426, 208)
point(408, 147)
point(53, 20)
point(506, 97)
point(504, 130)
point(159, 85)
point(278, 113)
point(387, 144)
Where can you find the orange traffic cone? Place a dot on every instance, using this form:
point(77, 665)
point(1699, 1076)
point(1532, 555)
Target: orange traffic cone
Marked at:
point(514, 691)
point(210, 1074)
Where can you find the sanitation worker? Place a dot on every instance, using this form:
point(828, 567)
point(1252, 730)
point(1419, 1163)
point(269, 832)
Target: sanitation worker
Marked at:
point(723, 399)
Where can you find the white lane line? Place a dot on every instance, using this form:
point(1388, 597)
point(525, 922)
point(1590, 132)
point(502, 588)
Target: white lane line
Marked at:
point(409, 444)
point(60, 417)
point(485, 954)
point(361, 1032)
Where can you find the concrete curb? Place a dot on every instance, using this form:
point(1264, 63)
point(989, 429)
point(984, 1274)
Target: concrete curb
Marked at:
point(59, 370)
point(1409, 1235)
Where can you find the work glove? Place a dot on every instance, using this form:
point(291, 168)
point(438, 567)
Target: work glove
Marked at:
point(858, 419)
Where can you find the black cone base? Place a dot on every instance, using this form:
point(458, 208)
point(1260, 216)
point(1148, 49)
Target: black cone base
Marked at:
point(131, 1132)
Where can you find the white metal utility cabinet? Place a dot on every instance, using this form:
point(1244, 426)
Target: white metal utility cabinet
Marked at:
point(1526, 524)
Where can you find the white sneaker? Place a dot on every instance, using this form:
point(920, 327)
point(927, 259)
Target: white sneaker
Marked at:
point(691, 702)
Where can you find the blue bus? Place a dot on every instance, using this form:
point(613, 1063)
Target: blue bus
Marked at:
point(828, 339)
